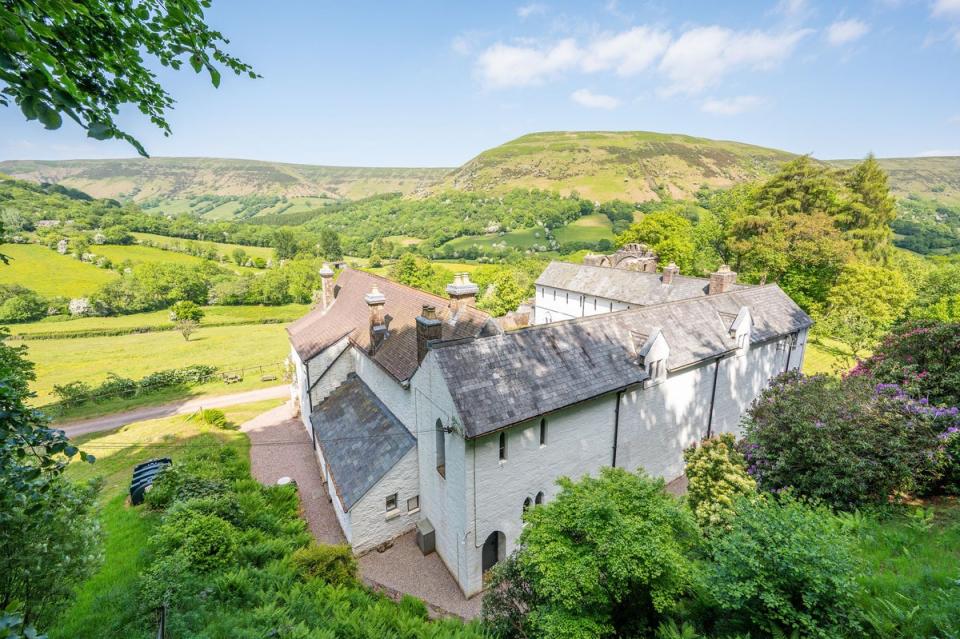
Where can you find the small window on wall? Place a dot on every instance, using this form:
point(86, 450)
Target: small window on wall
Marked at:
point(611, 307)
point(413, 504)
point(503, 446)
point(554, 295)
point(594, 303)
point(543, 431)
point(391, 502)
point(441, 450)
point(539, 500)
point(527, 503)
point(568, 298)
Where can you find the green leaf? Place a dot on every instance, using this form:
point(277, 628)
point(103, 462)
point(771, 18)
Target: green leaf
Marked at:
point(49, 117)
point(70, 451)
point(214, 76)
point(99, 131)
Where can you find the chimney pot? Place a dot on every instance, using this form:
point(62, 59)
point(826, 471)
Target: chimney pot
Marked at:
point(462, 291)
point(722, 280)
point(326, 288)
point(670, 271)
point(378, 328)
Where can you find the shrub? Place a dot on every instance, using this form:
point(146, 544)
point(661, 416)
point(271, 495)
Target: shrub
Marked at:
point(212, 417)
point(783, 565)
point(608, 556)
point(72, 394)
point(845, 442)
point(19, 304)
point(923, 357)
point(334, 565)
point(717, 475)
point(185, 310)
point(177, 483)
point(206, 541)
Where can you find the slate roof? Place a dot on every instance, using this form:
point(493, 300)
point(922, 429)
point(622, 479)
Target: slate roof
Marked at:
point(629, 287)
point(360, 438)
point(349, 316)
point(502, 380)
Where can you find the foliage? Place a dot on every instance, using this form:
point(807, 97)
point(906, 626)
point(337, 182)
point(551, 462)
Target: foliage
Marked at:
point(669, 234)
point(79, 392)
point(422, 274)
point(212, 417)
point(573, 585)
point(48, 539)
point(782, 565)
point(717, 475)
point(204, 541)
point(186, 310)
point(86, 60)
point(846, 442)
point(20, 304)
point(938, 293)
point(333, 564)
point(923, 357)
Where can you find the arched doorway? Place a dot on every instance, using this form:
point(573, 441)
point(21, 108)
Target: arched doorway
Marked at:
point(494, 549)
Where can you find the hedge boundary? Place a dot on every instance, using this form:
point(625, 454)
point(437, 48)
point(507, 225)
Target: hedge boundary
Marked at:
point(132, 330)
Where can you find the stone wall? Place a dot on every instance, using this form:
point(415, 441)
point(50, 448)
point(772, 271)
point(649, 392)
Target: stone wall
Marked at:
point(371, 523)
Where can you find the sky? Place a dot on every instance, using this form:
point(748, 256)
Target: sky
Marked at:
point(422, 83)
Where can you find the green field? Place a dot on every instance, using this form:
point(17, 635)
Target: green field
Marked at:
point(225, 249)
point(146, 254)
point(212, 315)
point(60, 361)
point(521, 239)
point(49, 273)
point(824, 355)
point(589, 228)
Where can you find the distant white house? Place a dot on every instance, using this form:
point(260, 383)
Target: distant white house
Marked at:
point(425, 413)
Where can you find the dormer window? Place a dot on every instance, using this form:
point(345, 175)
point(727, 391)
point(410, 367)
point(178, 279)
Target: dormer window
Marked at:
point(657, 370)
point(652, 354)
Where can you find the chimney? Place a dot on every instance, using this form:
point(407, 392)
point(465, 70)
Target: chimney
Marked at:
point(722, 281)
point(463, 292)
point(326, 292)
point(670, 271)
point(429, 328)
point(378, 328)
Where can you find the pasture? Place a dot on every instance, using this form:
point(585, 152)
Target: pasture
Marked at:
point(589, 228)
point(49, 273)
point(223, 248)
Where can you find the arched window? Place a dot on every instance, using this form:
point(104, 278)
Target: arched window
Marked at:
point(539, 499)
point(527, 503)
point(441, 450)
point(503, 445)
point(543, 431)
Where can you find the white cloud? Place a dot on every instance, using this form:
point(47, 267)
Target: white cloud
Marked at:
point(792, 7)
point(846, 31)
point(938, 153)
point(732, 106)
point(701, 57)
point(946, 7)
point(503, 65)
point(591, 100)
point(628, 52)
point(532, 9)
point(955, 119)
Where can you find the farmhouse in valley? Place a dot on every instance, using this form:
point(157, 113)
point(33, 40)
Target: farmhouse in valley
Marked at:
point(424, 413)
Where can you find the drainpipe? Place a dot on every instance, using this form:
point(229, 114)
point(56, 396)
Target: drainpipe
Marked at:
point(616, 428)
point(789, 349)
point(713, 397)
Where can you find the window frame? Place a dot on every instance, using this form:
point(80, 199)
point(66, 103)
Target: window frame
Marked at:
point(416, 508)
point(440, 443)
point(395, 497)
point(543, 432)
point(502, 446)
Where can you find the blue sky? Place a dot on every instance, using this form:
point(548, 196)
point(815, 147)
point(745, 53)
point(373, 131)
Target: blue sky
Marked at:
point(434, 83)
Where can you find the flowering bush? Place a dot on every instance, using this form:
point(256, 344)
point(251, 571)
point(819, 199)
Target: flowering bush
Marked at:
point(845, 442)
point(921, 356)
point(717, 474)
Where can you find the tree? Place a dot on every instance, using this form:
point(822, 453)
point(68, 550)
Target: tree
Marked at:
point(864, 304)
point(285, 244)
point(866, 218)
point(187, 327)
point(607, 557)
point(717, 475)
point(86, 59)
point(186, 310)
point(48, 534)
point(330, 245)
point(239, 256)
point(668, 233)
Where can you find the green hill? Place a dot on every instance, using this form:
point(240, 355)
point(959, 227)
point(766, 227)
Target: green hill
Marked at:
point(927, 178)
point(602, 165)
point(172, 179)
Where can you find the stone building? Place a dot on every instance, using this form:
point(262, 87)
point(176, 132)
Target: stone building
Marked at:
point(425, 413)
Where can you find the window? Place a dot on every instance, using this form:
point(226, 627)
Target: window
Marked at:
point(543, 431)
point(503, 446)
point(391, 503)
point(527, 503)
point(594, 303)
point(539, 499)
point(554, 295)
point(611, 307)
point(413, 504)
point(568, 298)
point(441, 451)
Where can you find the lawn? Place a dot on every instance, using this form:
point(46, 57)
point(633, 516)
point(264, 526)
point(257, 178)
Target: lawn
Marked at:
point(49, 273)
point(589, 228)
point(824, 355)
point(60, 361)
point(212, 315)
point(521, 239)
point(225, 249)
point(125, 528)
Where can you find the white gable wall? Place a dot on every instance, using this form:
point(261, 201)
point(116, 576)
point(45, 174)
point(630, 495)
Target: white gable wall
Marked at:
point(369, 520)
point(556, 304)
point(396, 398)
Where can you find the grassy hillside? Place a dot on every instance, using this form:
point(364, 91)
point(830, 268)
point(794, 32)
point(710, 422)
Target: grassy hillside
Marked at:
point(49, 273)
point(927, 178)
point(601, 165)
point(173, 179)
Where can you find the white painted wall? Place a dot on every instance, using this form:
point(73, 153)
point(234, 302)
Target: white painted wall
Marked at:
point(335, 374)
point(396, 398)
point(556, 304)
point(369, 520)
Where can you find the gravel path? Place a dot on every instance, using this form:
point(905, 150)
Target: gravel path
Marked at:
point(280, 447)
point(108, 422)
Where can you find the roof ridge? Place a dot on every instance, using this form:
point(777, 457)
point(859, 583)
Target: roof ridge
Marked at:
point(413, 288)
point(655, 273)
